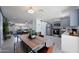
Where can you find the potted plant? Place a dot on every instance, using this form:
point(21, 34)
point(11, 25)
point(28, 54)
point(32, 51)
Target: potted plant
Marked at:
point(32, 34)
point(5, 27)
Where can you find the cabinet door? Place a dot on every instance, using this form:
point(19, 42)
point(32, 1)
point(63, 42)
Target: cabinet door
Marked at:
point(69, 43)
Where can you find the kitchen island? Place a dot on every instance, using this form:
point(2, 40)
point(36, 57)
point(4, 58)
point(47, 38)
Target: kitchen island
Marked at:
point(69, 43)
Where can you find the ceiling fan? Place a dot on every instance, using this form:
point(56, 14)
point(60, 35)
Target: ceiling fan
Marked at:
point(32, 9)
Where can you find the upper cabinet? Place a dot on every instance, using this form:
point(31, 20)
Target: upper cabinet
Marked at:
point(65, 21)
point(74, 17)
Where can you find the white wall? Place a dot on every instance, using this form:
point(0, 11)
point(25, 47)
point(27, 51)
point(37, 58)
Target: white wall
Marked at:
point(34, 25)
point(38, 25)
point(1, 29)
point(41, 26)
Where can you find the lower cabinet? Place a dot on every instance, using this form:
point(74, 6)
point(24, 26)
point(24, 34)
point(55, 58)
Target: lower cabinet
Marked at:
point(69, 44)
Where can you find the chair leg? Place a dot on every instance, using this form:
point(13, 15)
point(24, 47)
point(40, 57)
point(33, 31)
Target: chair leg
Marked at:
point(14, 47)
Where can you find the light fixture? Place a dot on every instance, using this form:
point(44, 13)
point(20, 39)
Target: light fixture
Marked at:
point(33, 9)
point(30, 10)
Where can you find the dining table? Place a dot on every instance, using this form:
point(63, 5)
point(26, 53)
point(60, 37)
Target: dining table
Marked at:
point(35, 44)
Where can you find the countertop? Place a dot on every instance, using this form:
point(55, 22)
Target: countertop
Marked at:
point(67, 33)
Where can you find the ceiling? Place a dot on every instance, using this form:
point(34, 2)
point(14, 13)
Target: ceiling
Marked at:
point(19, 14)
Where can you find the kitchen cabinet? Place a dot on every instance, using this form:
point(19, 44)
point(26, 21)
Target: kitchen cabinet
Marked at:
point(69, 44)
point(74, 17)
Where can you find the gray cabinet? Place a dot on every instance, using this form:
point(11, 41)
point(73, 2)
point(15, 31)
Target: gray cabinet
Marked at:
point(74, 18)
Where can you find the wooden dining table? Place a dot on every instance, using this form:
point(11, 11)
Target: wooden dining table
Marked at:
point(35, 44)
